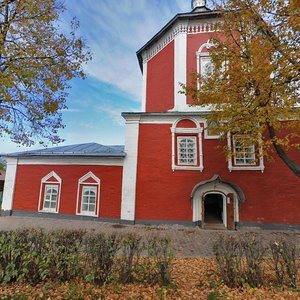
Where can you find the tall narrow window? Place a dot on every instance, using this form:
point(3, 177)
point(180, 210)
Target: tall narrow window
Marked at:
point(187, 151)
point(88, 195)
point(88, 202)
point(49, 200)
point(51, 197)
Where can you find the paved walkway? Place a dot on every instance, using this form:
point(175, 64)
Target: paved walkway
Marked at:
point(187, 241)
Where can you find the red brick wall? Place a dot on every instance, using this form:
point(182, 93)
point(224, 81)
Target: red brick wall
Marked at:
point(160, 81)
point(29, 179)
point(272, 197)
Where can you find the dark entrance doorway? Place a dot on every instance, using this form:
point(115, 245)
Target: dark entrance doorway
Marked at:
point(213, 210)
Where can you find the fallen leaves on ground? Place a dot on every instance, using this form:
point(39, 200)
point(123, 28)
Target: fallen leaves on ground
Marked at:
point(193, 278)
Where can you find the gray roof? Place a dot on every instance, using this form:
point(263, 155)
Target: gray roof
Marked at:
point(87, 150)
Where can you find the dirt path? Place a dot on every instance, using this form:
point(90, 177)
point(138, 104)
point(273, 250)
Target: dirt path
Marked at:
point(188, 242)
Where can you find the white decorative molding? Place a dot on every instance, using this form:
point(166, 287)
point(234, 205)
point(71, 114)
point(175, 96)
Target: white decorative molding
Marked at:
point(144, 92)
point(82, 182)
point(180, 28)
point(9, 184)
point(130, 169)
point(78, 161)
point(44, 181)
point(198, 130)
point(180, 70)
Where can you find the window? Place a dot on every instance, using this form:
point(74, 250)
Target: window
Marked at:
point(88, 201)
point(243, 155)
point(187, 151)
point(88, 195)
point(206, 66)
point(49, 199)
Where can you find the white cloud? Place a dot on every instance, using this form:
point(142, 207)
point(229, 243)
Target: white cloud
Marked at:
point(115, 30)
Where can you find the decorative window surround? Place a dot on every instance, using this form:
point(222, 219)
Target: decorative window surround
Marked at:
point(45, 183)
point(198, 130)
point(246, 167)
point(181, 28)
point(82, 184)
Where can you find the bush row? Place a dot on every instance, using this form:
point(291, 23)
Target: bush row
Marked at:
point(34, 256)
point(248, 261)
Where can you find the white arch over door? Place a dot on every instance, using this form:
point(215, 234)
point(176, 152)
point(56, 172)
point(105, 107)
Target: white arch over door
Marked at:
point(213, 188)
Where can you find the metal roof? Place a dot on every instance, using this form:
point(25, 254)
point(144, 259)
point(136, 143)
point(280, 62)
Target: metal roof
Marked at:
point(87, 150)
point(182, 16)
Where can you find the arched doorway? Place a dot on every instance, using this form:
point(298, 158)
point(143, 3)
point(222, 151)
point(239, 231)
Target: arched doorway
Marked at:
point(214, 210)
point(216, 202)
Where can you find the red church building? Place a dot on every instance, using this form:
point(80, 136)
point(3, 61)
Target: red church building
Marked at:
point(172, 169)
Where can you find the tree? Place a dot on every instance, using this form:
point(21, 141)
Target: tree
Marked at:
point(253, 85)
point(37, 61)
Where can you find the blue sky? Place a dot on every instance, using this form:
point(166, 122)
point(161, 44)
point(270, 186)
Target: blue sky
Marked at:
point(114, 30)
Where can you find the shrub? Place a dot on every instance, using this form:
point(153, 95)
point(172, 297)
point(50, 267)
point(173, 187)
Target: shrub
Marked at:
point(284, 262)
point(100, 252)
point(131, 249)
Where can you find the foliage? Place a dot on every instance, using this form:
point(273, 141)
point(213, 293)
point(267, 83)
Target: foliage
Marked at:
point(37, 60)
point(254, 84)
point(100, 251)
point(241, 262)
point(285, 265)
point(35, 256)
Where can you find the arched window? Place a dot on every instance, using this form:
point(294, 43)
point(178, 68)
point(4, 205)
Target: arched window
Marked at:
point(49, 199)
point(187, 151)
point(88, 195)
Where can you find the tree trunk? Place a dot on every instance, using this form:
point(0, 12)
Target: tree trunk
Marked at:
point(282, 154)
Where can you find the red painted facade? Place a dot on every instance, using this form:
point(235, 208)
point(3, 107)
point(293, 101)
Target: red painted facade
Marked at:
point(165, 195)
point(28, 182)
point(160, 81)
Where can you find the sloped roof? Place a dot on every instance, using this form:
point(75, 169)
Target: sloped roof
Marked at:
point(87, 150)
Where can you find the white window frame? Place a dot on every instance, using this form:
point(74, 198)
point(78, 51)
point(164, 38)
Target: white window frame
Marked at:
point(199, 149)
point(45, 182)
point(246, 167)
point(180, 140)
point(81, 184)
point(84, 189)
point(51, 187)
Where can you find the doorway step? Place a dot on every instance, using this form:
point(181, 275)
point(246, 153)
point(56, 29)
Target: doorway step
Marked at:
point(214, 226)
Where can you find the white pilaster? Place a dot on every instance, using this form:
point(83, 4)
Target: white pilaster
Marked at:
point(180, 69)
point(9, 184)
point(130, 169)
point(144, 95)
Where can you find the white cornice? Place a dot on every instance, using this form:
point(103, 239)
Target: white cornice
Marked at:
point(182, 27)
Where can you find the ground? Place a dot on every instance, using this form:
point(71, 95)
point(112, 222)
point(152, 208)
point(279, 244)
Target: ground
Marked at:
point(188, 241)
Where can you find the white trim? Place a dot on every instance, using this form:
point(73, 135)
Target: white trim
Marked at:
point(88, 213)
point(213, 188)
point(49, 209)
point(81, 182)
point(180, 69)
point(163, 119)
point(79, 161)
point(183, 27)
point(130, 170)
point(231, 167)
point(44, 182)
point(9, 184)
point(144, 93)
point(198, 130)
